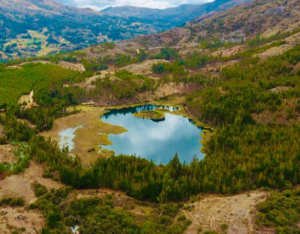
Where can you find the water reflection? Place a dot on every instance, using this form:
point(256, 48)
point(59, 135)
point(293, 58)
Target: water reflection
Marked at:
point(156, 141)
point(66, 138)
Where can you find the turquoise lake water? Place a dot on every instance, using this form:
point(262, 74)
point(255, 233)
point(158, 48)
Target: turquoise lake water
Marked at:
point(157, 141)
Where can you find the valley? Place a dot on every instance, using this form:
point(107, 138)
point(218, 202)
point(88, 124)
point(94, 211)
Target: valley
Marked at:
point(43, 27)
point(212, 108)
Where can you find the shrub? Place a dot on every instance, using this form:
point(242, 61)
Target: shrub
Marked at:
point(12, 202)
point(181, 218)
point(39, 190)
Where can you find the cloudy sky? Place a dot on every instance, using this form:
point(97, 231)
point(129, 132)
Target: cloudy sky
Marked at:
point(101, 4)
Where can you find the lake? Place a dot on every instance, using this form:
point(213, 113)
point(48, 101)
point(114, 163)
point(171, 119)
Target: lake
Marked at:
point(157, 141)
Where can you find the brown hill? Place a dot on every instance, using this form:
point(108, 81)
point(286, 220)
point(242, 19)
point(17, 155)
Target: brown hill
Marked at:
point(177, 15)
point(42, 7)
point(257, 20)
point(261, 17)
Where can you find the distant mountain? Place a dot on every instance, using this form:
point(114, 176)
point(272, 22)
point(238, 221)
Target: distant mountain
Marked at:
point(177, 15)
point(47, 7)
point(40, 27)
point(131, 11)
point(264, 18)
point(258, 22)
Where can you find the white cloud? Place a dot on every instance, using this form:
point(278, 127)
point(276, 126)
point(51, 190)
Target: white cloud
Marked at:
point(160, 4)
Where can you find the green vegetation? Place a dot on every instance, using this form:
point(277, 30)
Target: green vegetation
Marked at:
point(243, 154)
point(39, 190)
point(125, 85)
point(12, 202)
point(82, 76)
point(256, 129)
point(279, 36)
point(99, 215)
point(96, 64)
point(253, 106)
point(167, 53)
point(214, 44)
point(177, 71)
point(252, 51)
point(154, 115)
point(18, 81)
point(21, 163)
point(123, 60)
point(280, 211)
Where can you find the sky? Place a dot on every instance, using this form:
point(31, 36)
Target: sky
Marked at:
point(102, 4)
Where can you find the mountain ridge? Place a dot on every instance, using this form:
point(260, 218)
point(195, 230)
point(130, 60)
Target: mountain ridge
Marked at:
point(43, 6)
point(180, 14)
point(40, 27)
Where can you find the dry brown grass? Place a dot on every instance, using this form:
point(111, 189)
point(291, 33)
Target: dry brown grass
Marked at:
point(68, 65)
point(7, 154)
point(211, 211)
point(144, 68)
point(12, 219)
point(20, 185)
point(90, 136)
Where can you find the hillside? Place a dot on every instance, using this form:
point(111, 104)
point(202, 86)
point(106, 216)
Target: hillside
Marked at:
point(233, 75)
point(263, 18)
point(47, 7)
point(41, 27)
point(259, 22)
point(36, 27)
point(177, 15)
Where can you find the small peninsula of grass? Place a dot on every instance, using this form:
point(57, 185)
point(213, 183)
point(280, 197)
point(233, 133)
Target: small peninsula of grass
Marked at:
point(153, 115)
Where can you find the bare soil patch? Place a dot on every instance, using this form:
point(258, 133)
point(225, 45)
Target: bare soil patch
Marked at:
point(144, 68)
point(28, 99)
point(279, 89)
point(2, 134)
point(15, 219)
point(20, 185)
point(213, 70)
point(7, 154)
point(121, 200)
point(297, 67)
point(237, 212)
point(274, 51)
point(227, 52)
point(88, 83)
point(22, 64)
point(167, 89)
point(73, 66)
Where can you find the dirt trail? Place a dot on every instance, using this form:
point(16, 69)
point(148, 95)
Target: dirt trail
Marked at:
point(74, 66)
point(236, 211)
